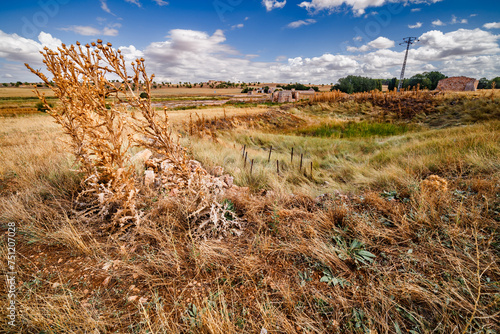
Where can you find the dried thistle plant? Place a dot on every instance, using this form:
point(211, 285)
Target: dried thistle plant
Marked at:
point(97, 129)
point(104, 120)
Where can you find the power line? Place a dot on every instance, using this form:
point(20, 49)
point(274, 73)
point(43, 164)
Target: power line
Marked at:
point(408, 41)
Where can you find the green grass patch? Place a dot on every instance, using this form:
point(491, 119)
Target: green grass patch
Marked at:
point(355, 130)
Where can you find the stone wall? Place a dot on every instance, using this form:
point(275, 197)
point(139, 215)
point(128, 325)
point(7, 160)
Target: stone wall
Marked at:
point(460, 84)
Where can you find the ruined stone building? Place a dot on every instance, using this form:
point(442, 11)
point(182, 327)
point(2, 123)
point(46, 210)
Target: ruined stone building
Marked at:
point(283, 96)
point(460, 84)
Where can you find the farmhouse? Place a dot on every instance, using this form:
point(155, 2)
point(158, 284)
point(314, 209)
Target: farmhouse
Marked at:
point(461, 84)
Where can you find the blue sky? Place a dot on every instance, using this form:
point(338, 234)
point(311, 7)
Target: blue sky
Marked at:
point(315, 41)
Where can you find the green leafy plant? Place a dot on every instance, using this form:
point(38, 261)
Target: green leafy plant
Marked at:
point(192, 316)
point(228, 206)
point(355, 251)
point(332, 280)
point(305, 277)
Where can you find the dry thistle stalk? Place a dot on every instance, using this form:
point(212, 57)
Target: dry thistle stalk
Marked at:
point(93, 112)
point(96, 128)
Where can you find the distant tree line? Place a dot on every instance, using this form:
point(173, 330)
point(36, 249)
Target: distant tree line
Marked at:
point(488, 84)
point(298, 86)
point(247, 89)
point(426, 80)
point(356, 84)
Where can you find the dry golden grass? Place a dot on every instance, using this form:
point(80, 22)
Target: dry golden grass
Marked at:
point(183, 91)
point(403, 239)
point(436, 265)
point(23, 92)
point(182, 116)
point(166, 91)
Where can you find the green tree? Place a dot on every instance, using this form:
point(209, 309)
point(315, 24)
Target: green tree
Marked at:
point(393, 84)
point(497, 82)
point(434, 77)
point(422, 80)
point(484, 84)
point(356, 84)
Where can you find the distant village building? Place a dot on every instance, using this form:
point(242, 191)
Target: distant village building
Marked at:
point(460, 84)
point(283, 96)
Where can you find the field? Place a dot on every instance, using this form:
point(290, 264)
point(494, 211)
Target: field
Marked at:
point(384, 219)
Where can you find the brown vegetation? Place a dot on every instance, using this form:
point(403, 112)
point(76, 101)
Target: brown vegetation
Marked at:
point(402, 239)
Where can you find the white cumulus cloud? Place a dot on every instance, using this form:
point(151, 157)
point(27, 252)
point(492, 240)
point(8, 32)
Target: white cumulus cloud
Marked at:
point(16, 48)
point(492, 25)
point(438, 23)
point(190, 55)
point(437, 45)
point(415, 26)
point(271, 4)
point(379, 43)
point(300, 23)
point(455, 20)
point(357, 6)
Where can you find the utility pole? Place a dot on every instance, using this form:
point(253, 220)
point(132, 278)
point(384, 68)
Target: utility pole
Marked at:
point(408, 41)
